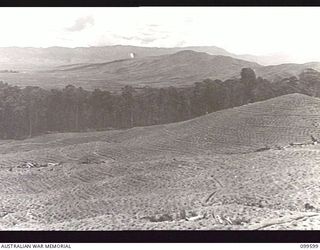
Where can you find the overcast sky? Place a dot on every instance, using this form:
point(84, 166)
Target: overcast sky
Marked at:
point(240, 30)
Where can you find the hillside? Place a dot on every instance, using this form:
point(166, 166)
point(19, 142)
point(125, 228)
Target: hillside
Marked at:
point(277, 72)
point(28, 58)
point(276, 122)
point(180, 69)
point(38, 58)
point(243, 164)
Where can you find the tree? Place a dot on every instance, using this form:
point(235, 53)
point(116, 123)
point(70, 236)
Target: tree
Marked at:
point(128, 105)
point(248, 79)
point(33, 98)
point(310, 79)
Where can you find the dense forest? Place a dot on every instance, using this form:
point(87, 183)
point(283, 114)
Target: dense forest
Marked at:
point(30, 111)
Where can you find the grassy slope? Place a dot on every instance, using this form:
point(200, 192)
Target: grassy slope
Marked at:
point(205, 164)
point(179, 69)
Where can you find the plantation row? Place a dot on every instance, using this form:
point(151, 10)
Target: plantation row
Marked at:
point(25, 112)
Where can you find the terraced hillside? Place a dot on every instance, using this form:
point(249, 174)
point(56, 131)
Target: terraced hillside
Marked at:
point(251, 167)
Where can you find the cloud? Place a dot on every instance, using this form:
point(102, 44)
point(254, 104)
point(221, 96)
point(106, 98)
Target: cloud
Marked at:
point(180, 43)
point(125, 37)
point(143, 38)
point(189, 20)
point(148, 40)
point(154, 25)
point(81, 23)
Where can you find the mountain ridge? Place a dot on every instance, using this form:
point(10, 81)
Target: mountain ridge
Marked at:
point(180, 69)
point(30, 57)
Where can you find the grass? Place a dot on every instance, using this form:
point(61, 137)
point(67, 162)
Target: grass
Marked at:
point(208, 165)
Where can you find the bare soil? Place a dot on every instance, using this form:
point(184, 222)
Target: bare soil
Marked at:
point(254, 167)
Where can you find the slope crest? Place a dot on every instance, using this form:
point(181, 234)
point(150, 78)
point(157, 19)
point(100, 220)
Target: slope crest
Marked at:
point(276, 122)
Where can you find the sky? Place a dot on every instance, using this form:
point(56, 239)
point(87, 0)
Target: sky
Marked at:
point(288, 31)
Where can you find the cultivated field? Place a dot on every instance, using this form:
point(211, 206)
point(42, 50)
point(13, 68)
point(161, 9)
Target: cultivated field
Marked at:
point(251, 167)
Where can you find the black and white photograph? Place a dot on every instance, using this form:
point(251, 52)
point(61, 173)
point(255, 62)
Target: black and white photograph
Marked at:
point(159, 118)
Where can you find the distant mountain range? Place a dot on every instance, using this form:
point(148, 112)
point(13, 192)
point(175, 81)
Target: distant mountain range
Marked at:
point(112, 67)
point(23, 58)
point(32, 58)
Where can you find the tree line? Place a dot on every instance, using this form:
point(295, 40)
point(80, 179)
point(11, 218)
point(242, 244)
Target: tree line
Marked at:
point(30, 111)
